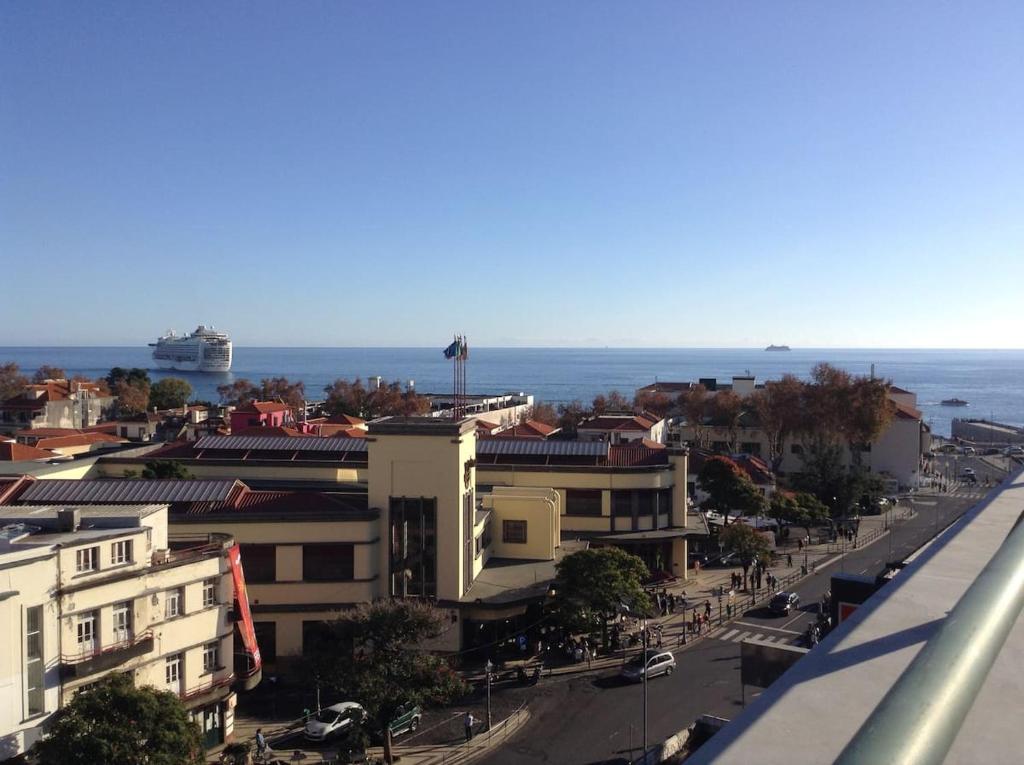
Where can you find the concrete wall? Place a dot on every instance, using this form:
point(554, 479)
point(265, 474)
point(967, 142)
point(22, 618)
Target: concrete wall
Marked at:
point(539, 508)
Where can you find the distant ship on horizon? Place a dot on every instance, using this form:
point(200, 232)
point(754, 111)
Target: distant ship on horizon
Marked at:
point(778, 348)
point(205, 350)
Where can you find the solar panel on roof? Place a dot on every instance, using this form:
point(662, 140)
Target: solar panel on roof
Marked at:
point(535, 447)
point(282, 444)
point(121, 490)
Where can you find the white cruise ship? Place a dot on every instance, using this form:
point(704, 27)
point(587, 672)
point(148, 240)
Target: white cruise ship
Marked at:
point(205, 350)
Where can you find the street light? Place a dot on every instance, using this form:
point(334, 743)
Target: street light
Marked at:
point(489, 667)
point(645, 686)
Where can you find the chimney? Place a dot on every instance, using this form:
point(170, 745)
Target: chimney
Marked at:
point(68, 519)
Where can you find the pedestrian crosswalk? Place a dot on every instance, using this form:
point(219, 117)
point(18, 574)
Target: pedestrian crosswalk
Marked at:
point(735, 635)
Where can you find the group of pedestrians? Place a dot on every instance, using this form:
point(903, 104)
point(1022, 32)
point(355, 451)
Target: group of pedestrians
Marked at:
point(666, 601)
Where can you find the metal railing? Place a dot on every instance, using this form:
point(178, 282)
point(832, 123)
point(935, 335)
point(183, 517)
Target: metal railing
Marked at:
point(95, 653)
point(482, 742)
point(919, 718)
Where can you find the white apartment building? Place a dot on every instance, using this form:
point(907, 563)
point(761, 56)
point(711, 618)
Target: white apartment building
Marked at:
point(86, 591)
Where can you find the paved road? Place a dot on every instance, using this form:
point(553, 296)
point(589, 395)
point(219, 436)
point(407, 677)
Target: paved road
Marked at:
point(584, 720)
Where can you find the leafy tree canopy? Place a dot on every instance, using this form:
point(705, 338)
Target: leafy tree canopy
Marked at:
point(47, 372)
point(133, 376)
point(165, 469)
point(12, 382)
point(746, 542)
point(390, 399)
point(545, 413)
point(132, 397)
point(115, 722)
point(570, 416)
point(169, 393)
point(729, 489)
point(372, 653)
point(592, 585)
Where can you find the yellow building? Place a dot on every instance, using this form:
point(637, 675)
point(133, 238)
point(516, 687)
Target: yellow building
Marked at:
point(420, 507)
point(90, 590)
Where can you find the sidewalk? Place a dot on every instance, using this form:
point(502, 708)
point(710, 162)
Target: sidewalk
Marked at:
point(406, 754)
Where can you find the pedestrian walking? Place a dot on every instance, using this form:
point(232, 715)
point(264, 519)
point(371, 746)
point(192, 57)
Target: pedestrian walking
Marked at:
point(671, 602)
point(707, 609)
point(469, 722)
point(799, 545)
point(261, 742)
point(789, 560)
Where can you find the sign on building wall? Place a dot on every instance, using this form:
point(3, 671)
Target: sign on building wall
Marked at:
point(246, 626)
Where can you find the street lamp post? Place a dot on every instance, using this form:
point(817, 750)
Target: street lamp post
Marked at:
point(645, 688)
point(489, 667)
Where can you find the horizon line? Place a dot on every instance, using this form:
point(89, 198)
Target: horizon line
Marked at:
point(560, 347)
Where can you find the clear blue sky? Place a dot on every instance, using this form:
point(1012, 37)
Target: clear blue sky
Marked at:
point(530, 173)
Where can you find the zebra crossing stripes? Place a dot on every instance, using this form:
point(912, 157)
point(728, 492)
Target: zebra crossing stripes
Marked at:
point(727, 635)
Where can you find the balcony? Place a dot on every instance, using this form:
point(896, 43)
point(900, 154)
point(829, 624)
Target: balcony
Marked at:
point(210, 690)
point(76, 666)
point(190, 548)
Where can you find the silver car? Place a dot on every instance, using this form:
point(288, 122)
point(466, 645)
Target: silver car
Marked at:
point(661, 663)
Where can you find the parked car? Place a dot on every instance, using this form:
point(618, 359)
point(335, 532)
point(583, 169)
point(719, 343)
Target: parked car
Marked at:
point(969, 450)
point(991, 450)
point(967, 471)
point(1014, 451)
point(968, 478)
point(407, 719)
point(334, 719)
point(783, 603)
point(652, 663)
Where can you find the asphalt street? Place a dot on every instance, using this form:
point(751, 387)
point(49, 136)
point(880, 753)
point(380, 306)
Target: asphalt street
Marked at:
point(589, 719)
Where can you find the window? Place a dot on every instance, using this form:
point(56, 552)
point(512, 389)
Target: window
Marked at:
point(172, 672)
point(413, 542)
point(751, 447)
point(210, 651)
point(328, 563)
point(86, 559)
point(121, 552)
point(583, 502)
point(796, 449)
point(260, 562)
point(622, 503)
point(174, 604)
point(34, 660)
point(122, 621)
point(210, 593)
point(85, 631)
point(513, 532)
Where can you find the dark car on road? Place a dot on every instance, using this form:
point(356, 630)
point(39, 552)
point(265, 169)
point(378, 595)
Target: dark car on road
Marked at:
point(783, 603)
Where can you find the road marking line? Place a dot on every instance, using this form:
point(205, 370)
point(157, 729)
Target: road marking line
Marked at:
point(758, 636)
point(741, 637)
point(729, 634)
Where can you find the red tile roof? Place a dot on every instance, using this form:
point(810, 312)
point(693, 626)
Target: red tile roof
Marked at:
point(528, 429)
point(609, 423)
point(11, 487)
point(906, 412)
point(16, 452)
point(345, 419)
point(263, 407)
point(79, 439)
point(636, 455)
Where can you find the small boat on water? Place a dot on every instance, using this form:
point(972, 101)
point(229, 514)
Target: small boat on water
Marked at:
point(953, 402)
point(777, 348)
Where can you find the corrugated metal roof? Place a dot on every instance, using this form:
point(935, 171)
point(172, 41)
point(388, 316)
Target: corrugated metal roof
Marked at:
point(281, 444)
point(532, 446)
point(119, 490)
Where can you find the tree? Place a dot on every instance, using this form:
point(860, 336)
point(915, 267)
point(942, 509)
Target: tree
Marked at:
point(747, 543)
point(797, 509)
point(132, 398)
point(592, 585)
point(694, 403)
point(387, 400)
point(728, 488)
point(115, 722)
point(868, 412)
point(654, 402)
point(778, 409)
point(726, 409)
point(170, 393)
point(12, 382)
point(284, 390)
point(47, 372)
point(543, 412)
point(166, 469)
point(570, 416)
point(238, 393)
point(372, 653)
point(134, 376)
point(614, 402)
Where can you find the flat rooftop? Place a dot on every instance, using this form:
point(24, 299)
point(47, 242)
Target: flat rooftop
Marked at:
point(812, 712)
point(504, 581)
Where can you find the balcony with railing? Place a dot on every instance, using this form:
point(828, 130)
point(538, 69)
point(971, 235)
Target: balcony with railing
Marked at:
point(75, 666)
point(188, 548)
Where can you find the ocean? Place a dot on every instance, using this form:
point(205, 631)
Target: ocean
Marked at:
point(992, 381)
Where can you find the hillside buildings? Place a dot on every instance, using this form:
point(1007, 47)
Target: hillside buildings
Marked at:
point(55, 404)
